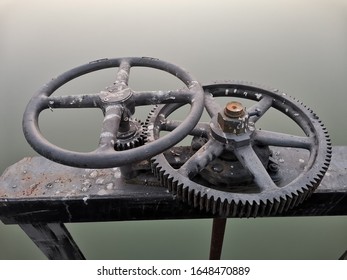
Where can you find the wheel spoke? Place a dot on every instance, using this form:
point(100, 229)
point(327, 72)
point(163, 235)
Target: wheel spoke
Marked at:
point(259, 109)
point(201, 158)
point(122, 77)
point(250, 160)
point(201, 129)
point(121, 82)
point(110, 127)
point(282, 140)
point(212, 107)
point(73, 101)
point(162, 97)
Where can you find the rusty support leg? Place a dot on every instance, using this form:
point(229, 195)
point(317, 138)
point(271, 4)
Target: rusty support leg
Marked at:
point(54, 240)
point(218, 230)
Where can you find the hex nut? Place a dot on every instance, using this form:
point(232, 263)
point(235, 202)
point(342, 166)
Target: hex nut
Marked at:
point(237, 125)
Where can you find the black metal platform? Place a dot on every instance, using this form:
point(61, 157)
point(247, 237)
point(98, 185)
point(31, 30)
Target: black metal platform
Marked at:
point(41, 196)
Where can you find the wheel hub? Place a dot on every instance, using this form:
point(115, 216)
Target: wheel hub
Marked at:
point(231, 126)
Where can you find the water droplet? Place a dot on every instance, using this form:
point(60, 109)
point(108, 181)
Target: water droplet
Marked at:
point(109, 186)
point(24, 172)
point(217, 168)
point(258, 95)
point(93, 174)
point(99, 181)
point(14, 186)
point(301, 160)
point(281, 160)
point(85, 199)
point(87, 183)
point(102, 192)
point(117, 173)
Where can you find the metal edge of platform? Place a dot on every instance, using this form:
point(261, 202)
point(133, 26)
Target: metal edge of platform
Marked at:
point(137, 202)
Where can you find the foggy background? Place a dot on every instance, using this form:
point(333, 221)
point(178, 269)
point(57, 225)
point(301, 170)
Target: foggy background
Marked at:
point(299, 47)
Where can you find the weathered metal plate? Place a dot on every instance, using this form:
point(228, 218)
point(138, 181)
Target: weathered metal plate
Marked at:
point(37, 189)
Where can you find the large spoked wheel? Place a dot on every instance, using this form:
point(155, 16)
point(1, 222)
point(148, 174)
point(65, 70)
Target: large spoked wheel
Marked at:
point(118, 103)
point(232, 144)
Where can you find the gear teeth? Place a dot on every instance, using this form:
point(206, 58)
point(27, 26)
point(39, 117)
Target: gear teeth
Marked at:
point(197, 200)
point(224, 208)
point(282, 205)
point(248, 210)
point(294, 201)
point(207, 204)
point(287, 203)
point(191, 197)
point(234, 208)
point(250, 206)
point(255, 209)
point(275, 206)
point(268, 209)
point(136, 140)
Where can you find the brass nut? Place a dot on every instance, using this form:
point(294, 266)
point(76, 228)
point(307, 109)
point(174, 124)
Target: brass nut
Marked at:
point(233, 119)
point(234, 109)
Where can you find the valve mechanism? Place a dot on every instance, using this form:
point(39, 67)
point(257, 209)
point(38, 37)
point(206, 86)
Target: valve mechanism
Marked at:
point(233, 169)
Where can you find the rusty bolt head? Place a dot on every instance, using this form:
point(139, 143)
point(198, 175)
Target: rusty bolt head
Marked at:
point(234, 109)
point(233, 119)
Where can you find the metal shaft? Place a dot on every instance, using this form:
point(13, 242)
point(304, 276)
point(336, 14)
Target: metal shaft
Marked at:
point(217, 238)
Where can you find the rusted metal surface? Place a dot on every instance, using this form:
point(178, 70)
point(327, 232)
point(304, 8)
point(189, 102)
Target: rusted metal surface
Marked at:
point(38, 177)
point(39, 190)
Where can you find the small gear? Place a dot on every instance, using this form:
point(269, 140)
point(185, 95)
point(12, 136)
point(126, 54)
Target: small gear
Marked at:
point(134, 136)
point(247, 159)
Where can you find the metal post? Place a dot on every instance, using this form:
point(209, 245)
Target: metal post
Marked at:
point(218, 230)
point(54, 240)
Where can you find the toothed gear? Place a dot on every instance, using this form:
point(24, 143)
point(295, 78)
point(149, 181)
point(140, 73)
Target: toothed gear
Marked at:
point(266, 195)
point(136, 136)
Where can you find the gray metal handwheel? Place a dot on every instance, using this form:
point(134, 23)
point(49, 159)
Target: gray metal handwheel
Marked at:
point(118, 103)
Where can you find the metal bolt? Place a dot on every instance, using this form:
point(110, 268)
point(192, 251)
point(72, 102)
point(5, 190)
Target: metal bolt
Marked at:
point(234, 109)
point(218, 168)
point(273, 167)
point(233, 119)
